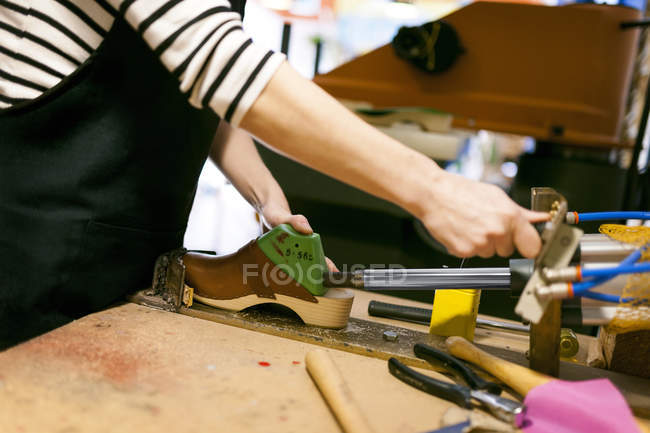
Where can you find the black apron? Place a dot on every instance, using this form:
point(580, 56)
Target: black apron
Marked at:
point(97, 178)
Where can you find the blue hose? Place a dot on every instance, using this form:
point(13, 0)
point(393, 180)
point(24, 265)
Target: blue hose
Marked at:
point(601, 297)
point(581, 288)
point(600, 216)
point(617, 270)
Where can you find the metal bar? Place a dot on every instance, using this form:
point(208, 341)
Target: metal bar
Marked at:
point(594, 248)
point(399, 312)
point(421, 279)
point(434, 279)
point(423, 316)
point(497, 324)
point(544, 341)
point(600, 248)
point(544, 346)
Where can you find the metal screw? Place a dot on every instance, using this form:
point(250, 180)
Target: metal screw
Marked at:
point(390, 336)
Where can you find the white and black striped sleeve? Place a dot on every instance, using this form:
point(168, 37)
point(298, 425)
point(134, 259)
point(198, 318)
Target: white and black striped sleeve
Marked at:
point(202, 43)
point(43, 42)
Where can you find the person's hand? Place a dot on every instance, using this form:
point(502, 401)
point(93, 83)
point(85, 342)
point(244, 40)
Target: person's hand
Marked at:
point(275, 214)
point(472, 218)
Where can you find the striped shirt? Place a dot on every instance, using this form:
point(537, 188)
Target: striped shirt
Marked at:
point(201, 42)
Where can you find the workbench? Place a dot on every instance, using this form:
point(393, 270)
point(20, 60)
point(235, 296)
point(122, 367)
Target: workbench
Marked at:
point(134, 368)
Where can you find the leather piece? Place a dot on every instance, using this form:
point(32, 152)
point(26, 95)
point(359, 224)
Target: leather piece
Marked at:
point(245, 272)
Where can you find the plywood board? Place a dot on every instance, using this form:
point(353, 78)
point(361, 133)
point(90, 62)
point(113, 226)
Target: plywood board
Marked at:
point(135, 369)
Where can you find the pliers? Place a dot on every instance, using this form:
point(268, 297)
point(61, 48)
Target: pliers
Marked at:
point(479, 393)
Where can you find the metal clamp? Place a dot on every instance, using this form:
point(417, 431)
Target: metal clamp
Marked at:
point(559, 243)
point(169, 281)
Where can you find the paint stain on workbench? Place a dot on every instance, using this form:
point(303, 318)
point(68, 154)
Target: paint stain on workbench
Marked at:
point(104, 355)
point(264, 364)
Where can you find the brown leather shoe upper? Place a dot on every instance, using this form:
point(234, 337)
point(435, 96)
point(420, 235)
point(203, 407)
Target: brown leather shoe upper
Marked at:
point(245, 272)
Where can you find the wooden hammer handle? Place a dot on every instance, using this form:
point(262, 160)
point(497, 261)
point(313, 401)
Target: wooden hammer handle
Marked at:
point(519, 378)
point(336, 392)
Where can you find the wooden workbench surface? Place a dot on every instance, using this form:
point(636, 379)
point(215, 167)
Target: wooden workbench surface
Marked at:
point(132, 368)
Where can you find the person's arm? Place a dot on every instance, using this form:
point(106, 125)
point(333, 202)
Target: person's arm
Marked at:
point(234, 152)
point(298, 119)
point(202, 43)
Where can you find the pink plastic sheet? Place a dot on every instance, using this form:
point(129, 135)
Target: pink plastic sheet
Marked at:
point(592, 406)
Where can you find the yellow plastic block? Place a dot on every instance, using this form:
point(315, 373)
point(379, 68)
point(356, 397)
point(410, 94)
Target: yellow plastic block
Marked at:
point(454, 313)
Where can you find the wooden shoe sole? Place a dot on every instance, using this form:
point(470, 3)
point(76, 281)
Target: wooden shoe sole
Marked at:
point(331, 311)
